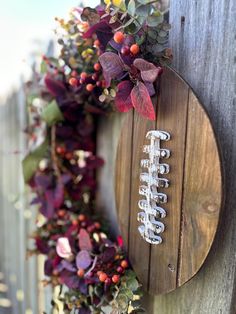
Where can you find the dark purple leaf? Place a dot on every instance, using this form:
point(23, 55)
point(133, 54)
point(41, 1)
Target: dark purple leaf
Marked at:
point(112, 66)
point(83, 288)
point(83, 259)
point(42, 180)
point(47, 209)
point(41, 245)
point(123, 97)
point(108, 254)
point(84, 310)
point(142, 101)
point(58, 195)
point(68, 266)
point(56, 88)
point(71, 280)
point(103, 32)
point(149, 71)
point(84, 240)
point(48, 267)
point(66, 178)
point(150, 88)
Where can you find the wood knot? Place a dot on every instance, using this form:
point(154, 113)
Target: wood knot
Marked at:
point(171, 267)
point(212, 208)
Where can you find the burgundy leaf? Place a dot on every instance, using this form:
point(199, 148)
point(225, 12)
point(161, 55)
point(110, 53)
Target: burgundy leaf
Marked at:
point(47, 209)
point(149, 71)
point(68, 266)
point(150, 88)
point(56, 88)
point(48, 267)
point(103, 32)
point(123, 97)
point(84, 240)
point(83, 259)
point(142, 101)
point(70, 279)
point(58, 195)
point(108, 254)
point(112, 66)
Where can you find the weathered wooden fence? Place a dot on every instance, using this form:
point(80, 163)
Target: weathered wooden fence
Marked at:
point(19, 277)
point(203, 39)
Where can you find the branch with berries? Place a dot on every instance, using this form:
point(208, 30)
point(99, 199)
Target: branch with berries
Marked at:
point(110, 60)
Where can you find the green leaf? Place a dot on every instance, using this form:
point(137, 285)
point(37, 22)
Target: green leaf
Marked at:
point(52, 114)
point(122, 301)
point(127, 292)
point(132, 284)
point(131, 7)
point(31, 161)
point(143, 10)
point(154, 20)
point(43, 67)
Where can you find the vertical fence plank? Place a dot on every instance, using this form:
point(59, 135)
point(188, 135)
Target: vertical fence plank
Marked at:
point(203, 42)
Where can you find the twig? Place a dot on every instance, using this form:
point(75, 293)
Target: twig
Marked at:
point(53, 152)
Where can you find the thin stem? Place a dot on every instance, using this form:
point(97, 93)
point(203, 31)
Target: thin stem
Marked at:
point(53, 152)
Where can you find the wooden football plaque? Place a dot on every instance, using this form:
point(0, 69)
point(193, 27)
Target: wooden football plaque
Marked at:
point(194, 193)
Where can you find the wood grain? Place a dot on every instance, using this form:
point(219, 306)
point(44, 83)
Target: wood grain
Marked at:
point(194, 195)
point(202, 192)
point(123, 178)
point(172, 117)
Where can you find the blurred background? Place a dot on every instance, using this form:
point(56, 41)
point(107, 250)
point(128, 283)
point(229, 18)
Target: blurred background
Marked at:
point(26, 33)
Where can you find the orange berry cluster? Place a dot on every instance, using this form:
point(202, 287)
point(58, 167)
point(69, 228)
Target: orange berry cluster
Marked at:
point(134, 49)
point(103, 277)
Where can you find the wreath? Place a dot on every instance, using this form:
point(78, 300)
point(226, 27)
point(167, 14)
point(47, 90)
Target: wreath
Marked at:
point(110, 59)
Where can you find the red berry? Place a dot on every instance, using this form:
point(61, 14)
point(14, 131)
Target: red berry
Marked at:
point(119, 37)
point(74, 73)
point(96, 43)
point(80, 272)
point(99, 83)
point(60, 150)
point(95, 76)
point(90, 229)
point(124, 264)
point(73, 81)
point(97, 66)
point(89, 87)
point(68, 155)
point(81, 217)
point(120, 269)
point(102, 277)
point(83, 75)
point(134, 49)
point(97, 225)
point(61, 213)
point(104, 84)
point(115, 278)
point(125, 50)
point(74, 222)
point(108, 281)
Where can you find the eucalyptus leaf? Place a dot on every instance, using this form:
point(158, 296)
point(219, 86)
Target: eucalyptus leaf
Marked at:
point(31, 161)
point(162, 33)
point(154, 20)
point(127, 292)
point(162, 40)
point(51, 114)
point(132, 284)
point(143, 10)
point(131, 7)
point(122, 301)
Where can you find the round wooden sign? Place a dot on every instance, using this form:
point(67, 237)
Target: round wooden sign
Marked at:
point(168, 241)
